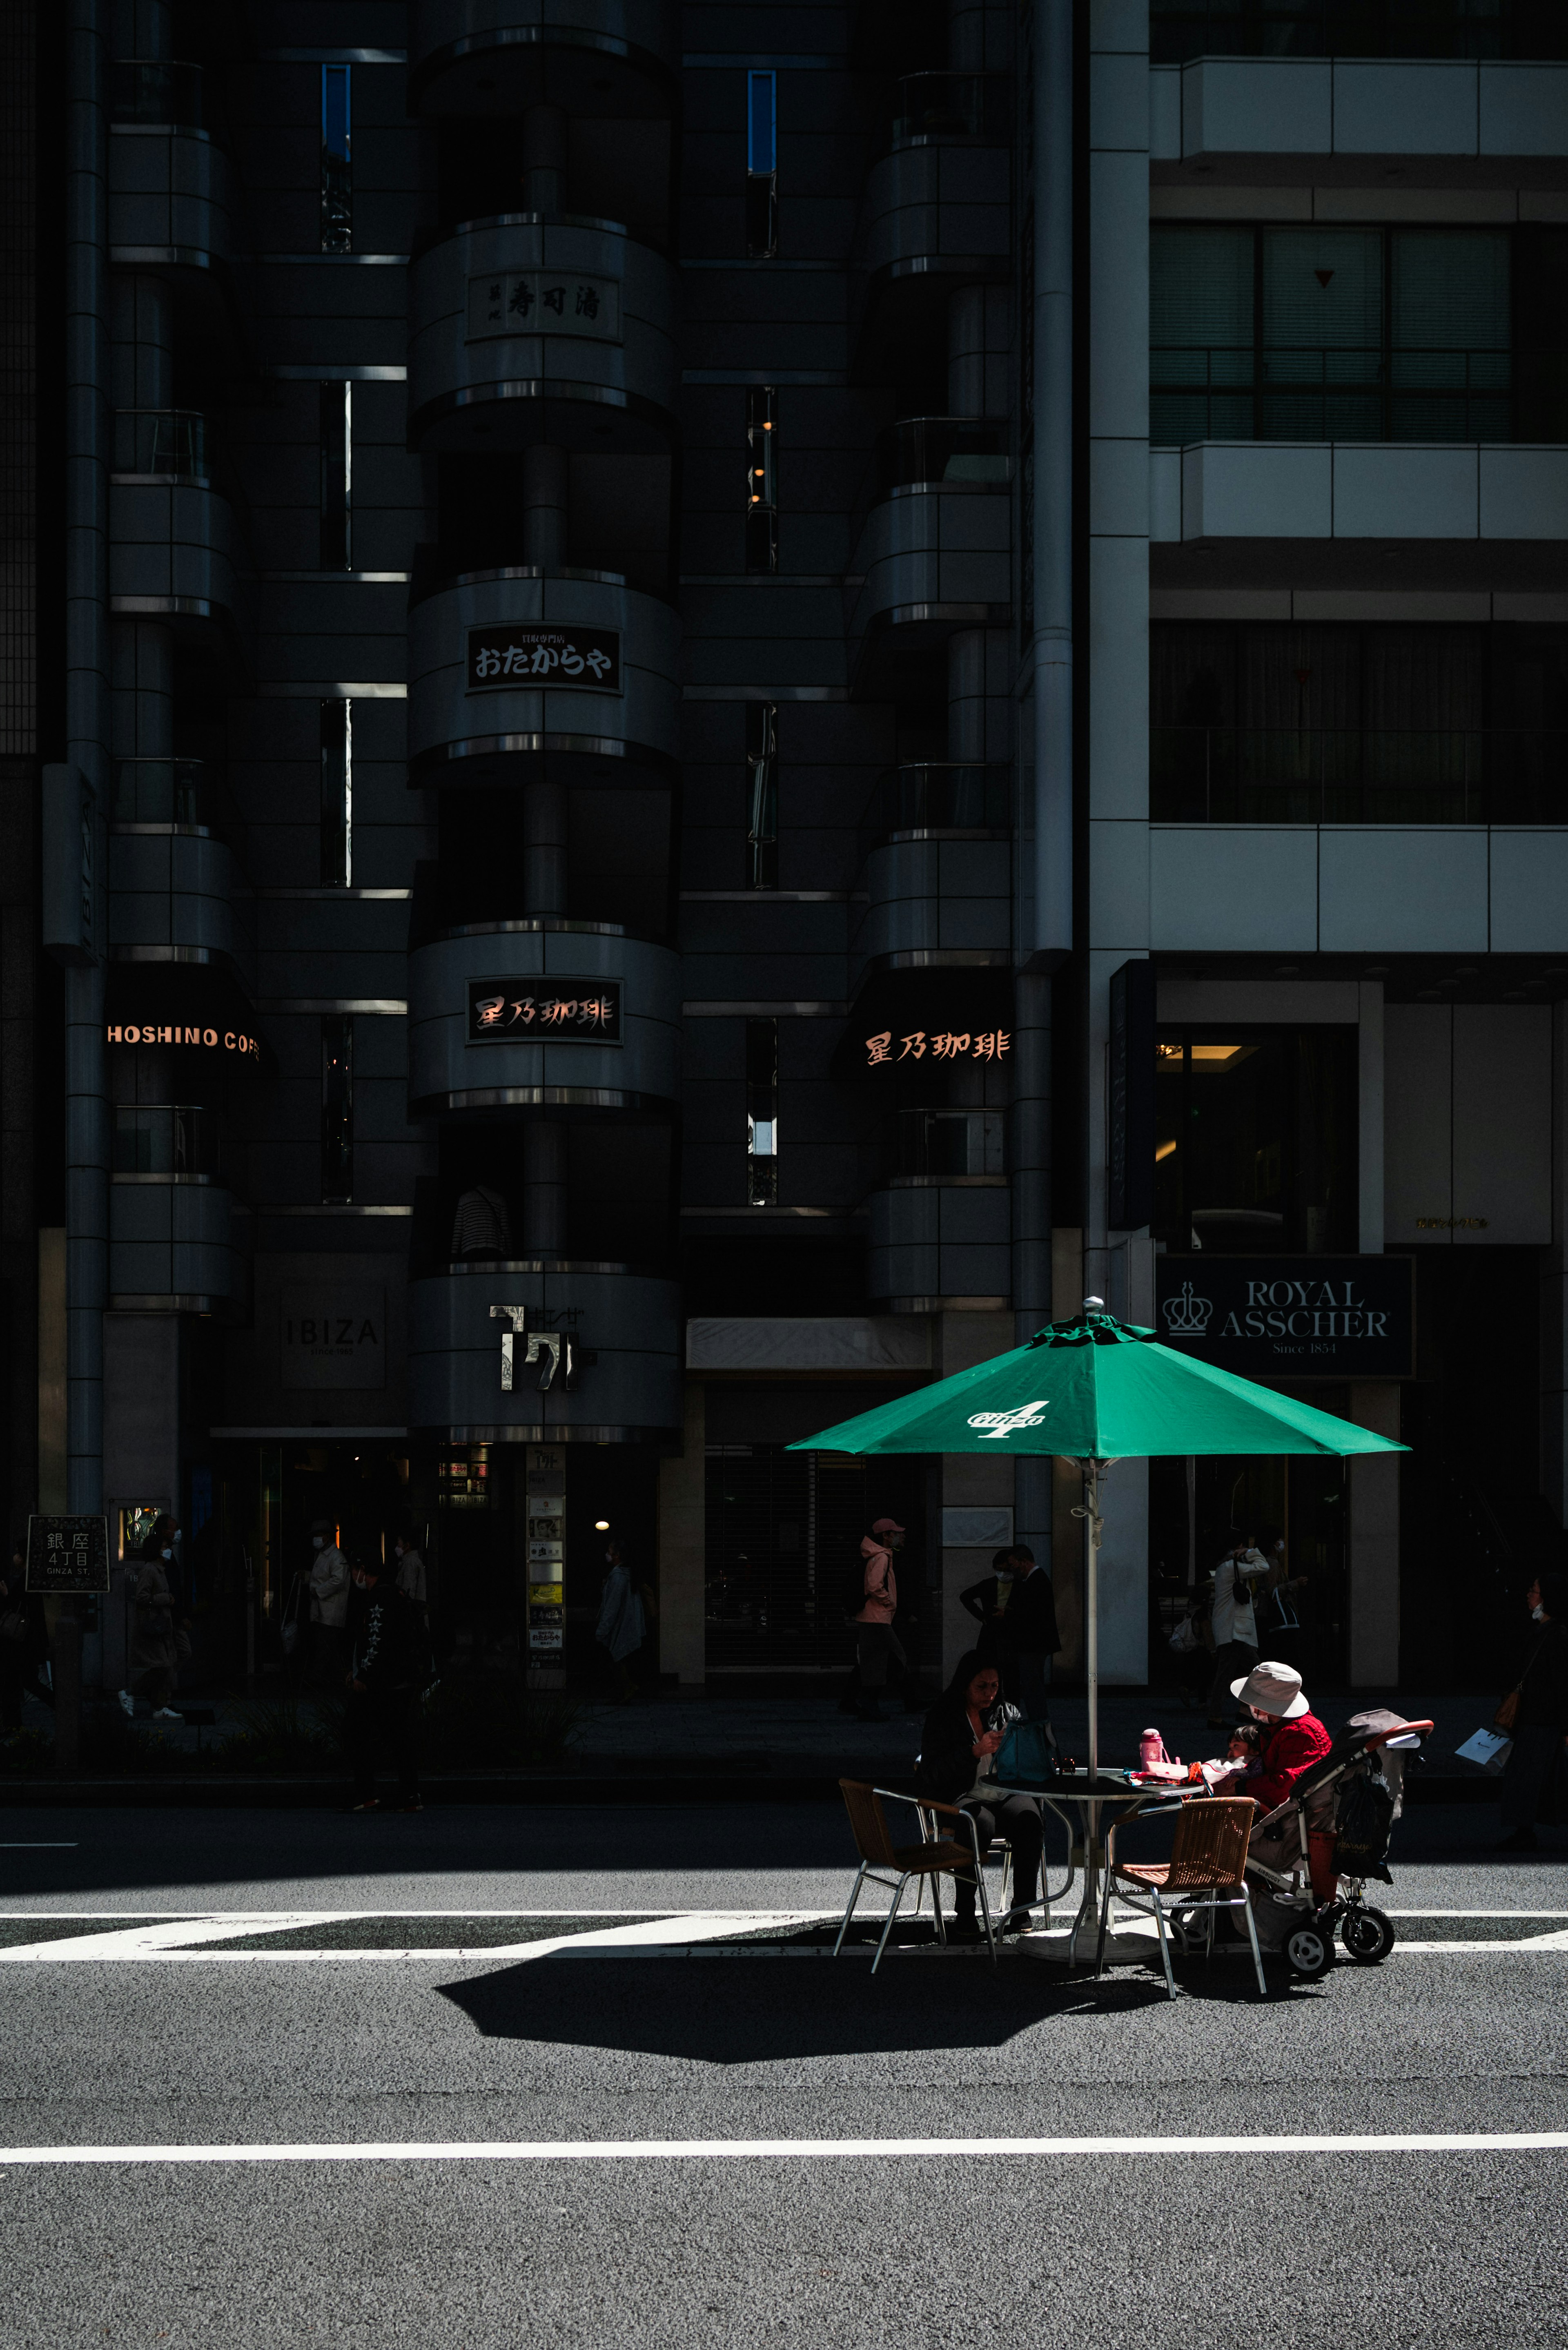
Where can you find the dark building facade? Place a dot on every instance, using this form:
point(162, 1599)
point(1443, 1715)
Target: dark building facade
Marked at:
point(660, 810)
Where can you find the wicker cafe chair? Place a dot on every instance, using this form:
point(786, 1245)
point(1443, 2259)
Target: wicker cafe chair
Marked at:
point(883, 1862)
point(1205, 1871)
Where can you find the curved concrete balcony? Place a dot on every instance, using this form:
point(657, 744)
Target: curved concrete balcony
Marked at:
point(171, 533)
point(170, 1247)
point(531, 1014)
point(935, 1244)
point(169, 197)
point(932, 557)
point(937, 867)
point(938, 215)
point(530, 328)
point(507, 666)
point(169, 886)
point(631, 1323)
point(490, 57)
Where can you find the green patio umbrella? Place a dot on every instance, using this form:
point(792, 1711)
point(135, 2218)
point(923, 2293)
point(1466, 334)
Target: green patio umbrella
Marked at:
point(1095, 1390)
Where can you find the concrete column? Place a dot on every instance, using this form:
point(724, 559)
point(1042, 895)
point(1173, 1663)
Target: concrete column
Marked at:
point(544, 846)
point(683, 1548)
point(1370, 1119)
point(545, 1188)
point(86, 549)
point(544, 159)
point(1374, 1543)
point(545, 486)
point(1554, 1289)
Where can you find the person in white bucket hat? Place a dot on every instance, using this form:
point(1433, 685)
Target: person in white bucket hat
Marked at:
point(1295, 1737)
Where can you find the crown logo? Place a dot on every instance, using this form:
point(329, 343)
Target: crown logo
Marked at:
point(1188, 1317)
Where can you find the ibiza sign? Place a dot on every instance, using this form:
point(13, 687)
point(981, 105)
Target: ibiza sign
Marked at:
point(1300, 1317)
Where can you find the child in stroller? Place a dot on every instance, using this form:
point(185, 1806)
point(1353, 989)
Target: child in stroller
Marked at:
point(1309, 1859)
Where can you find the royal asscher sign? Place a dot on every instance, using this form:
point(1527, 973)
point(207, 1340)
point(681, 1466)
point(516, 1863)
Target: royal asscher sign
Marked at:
point(1290, 1318)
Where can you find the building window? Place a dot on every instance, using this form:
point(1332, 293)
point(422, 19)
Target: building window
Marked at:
point(337, 162)
point(338, 794)
point(337, 476)
point(1255, 1140)
point(761, 479)
point(762, 1113)
point(762, 795)
point(1332, 334)
point(762, 165)
point(336, 1109)
point(1275, 723)
point(1182, 30)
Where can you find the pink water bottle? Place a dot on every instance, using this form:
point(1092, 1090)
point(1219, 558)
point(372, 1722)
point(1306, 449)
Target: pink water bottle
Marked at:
point(1150, 1750)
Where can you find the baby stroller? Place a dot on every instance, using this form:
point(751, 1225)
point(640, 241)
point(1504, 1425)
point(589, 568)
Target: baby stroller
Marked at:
point(1310, 1859)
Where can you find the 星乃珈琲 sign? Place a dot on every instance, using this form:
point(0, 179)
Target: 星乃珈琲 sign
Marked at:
point(543, 1012)
point(1294, 1318)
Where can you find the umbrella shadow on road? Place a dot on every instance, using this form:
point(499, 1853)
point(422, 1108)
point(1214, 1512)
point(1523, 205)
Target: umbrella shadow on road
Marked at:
point(752, 2013)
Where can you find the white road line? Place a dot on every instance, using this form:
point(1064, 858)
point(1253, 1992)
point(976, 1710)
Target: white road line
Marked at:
point(171, 1942)
point(800, 2149)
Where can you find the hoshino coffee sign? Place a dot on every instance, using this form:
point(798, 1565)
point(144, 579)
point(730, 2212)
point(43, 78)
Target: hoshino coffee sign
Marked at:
point(1292, 1318)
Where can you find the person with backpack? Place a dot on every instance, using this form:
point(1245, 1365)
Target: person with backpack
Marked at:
point(387, 1667)
point(877, 1645)
point(1538, 1718)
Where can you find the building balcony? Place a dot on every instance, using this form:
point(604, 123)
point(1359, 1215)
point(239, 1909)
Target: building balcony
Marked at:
point(172, 534)
point(495, 57)
point(938, 867)
point(935, 1243)
point(170, 887)
point(170, 1245)
point(603, 656)
point(1433, 105)
point(1231, 775)
point(1359, 490)
point(542, 1012)
point(933, 555)
point(628, 1324)
point(938, 215)
point(169, 196)
point(526, 329)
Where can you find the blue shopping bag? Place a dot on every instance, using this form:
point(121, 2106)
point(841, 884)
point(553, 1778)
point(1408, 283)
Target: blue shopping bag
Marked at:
point(1025, 1756)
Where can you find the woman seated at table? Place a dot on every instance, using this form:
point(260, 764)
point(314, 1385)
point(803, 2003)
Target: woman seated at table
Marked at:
point(964, 1732)
point(1293, 1738)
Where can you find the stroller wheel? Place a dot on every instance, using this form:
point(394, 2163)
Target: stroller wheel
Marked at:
point(1367, 1935)
point(1308, 1948)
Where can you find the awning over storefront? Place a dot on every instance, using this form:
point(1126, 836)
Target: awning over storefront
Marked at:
point(197, 1008)
point(930, 1018)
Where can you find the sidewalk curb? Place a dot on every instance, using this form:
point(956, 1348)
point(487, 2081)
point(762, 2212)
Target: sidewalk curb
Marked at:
point(704, 1785)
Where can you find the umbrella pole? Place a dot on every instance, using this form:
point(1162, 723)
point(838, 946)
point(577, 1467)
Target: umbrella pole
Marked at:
point(1092, 1615)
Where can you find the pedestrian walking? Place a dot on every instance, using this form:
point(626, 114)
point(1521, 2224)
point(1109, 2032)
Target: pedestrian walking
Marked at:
point(622, 1626)
point(386, 1662)
point(987, 1602)
point(1537, 1768)
point(1030, 1639)
point(155, 1637)
point(328, 1590)
point(1234, 1623)
point(14, 1643)
point(877, 1645)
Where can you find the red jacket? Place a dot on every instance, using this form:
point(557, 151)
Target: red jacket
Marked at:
point(1294, 1747)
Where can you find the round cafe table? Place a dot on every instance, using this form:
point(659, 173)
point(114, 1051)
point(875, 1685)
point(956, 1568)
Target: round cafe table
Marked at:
point(1091, 1811)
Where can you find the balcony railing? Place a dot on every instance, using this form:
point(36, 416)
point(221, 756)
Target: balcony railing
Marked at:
point(163, 91)
point(1180, 31)
point(168, 440)
point(166, 1139)
point(923, 448)
point(1244, 392)
point(950, 106)
point(1224, 774)
point(937, 797)
point(171, 791)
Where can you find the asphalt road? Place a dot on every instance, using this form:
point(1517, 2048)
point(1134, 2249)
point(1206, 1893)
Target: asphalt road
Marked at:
point(1292, 2247)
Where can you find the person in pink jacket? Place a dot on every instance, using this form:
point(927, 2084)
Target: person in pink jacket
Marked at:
point(877, 1645)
